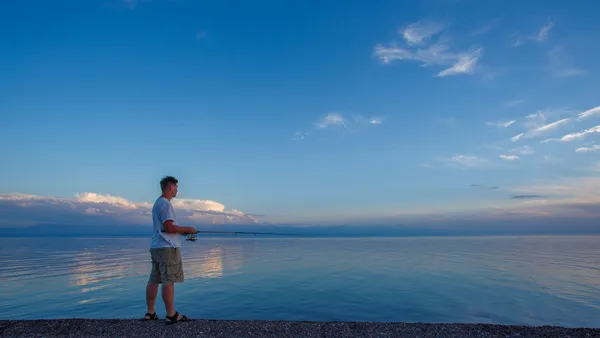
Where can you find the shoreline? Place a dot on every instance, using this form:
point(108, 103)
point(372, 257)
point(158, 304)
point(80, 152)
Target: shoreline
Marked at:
point(273, 328)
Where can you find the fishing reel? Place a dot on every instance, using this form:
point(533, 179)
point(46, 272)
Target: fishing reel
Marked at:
point(190, 237)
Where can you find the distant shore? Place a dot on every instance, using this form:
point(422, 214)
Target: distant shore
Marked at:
point(257, 328)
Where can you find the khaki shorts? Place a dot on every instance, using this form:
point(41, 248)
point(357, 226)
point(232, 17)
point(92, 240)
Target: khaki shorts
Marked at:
point(167, 267)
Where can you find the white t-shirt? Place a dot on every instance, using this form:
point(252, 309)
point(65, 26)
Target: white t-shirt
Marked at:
point(161, 212)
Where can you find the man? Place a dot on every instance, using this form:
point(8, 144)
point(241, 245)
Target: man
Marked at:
point(167, 267)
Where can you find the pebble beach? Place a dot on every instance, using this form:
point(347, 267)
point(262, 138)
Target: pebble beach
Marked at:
point(256, 328)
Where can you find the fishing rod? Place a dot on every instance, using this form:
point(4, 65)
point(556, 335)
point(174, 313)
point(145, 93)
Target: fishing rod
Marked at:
point(192, 237)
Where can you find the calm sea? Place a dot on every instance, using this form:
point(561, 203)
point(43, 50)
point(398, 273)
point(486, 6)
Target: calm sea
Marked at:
point(552, 280)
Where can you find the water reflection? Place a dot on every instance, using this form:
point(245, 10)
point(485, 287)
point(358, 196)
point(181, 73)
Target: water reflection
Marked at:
point(514, 280)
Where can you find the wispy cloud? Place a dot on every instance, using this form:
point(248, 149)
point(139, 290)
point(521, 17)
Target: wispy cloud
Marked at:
point(330, 120)
point(466, 161)
point(513, 103)
point(465, 64)
point(536, 125)
point(517, 137)
point(542, 34)
point(337, 120)
point(589, 113)
point(299, 135)
point(549, 126)
point(592, 148)
point(561, 65)
point(539, 36)
point(524, 150)
point(509, 157)
point(419, 32)
point(501, 124)
point(489, 187)
point(528, 197)
point(421, 47)
point(579, 135)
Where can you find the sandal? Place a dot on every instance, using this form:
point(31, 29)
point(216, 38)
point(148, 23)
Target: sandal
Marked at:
point(174, 319)
point(151, 316)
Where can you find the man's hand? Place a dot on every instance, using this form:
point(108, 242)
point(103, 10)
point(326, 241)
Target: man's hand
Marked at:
point(172, 228)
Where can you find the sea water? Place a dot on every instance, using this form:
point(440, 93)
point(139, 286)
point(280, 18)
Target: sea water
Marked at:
point(531, 280)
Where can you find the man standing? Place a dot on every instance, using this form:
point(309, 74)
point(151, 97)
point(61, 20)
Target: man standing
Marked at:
point(167, 267)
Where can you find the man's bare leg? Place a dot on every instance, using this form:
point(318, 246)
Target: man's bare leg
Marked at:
point(168, 296)
point(151, 292)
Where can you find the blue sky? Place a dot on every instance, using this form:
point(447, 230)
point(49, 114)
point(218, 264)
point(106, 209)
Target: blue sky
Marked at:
point(312, 112)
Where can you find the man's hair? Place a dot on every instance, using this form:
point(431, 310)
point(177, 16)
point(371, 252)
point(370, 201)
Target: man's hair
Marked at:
point(164, 183)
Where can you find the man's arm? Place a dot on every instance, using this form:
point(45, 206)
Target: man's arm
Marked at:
point(172, 228)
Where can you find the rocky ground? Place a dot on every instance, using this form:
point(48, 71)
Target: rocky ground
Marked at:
point(253, 328)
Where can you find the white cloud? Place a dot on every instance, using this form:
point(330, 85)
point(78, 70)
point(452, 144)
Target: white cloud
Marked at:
point(98, 208)
point(419, 32)
point(548, 127)
point(509, 157)
point(91, 197)
point(539, 36)
point(517, 137)
point(578, 135)
point(501, 124)
point(420, 47)
point(593, 148)
point(524, 150)
point(332, 119)
point(536, 126)
point(464, 65)
point(542, 34)
point(589, 113)
point(468, 161)
point(299, 135)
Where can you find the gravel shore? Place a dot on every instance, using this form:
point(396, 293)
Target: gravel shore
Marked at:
point(256, 328)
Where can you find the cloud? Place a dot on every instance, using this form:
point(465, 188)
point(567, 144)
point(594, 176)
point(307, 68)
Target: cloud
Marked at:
point(579, 135)
point(493, 187)
point(509, 157)
point(542, 34)
point(513, 103)
point(589, 113)
point(94, 208)
point(528, 197)
point(501, 124)
point(299, 135)
point(593, 148)
point(536, 125)
point(419, 32)
point(464, 65)
point(517, 137)
point(332, 119)
point(524, 150)
point(539, 36)
point(337, 120)
point(561, 65)
point(549, 126)
point(420, 47)
point(466, 161)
